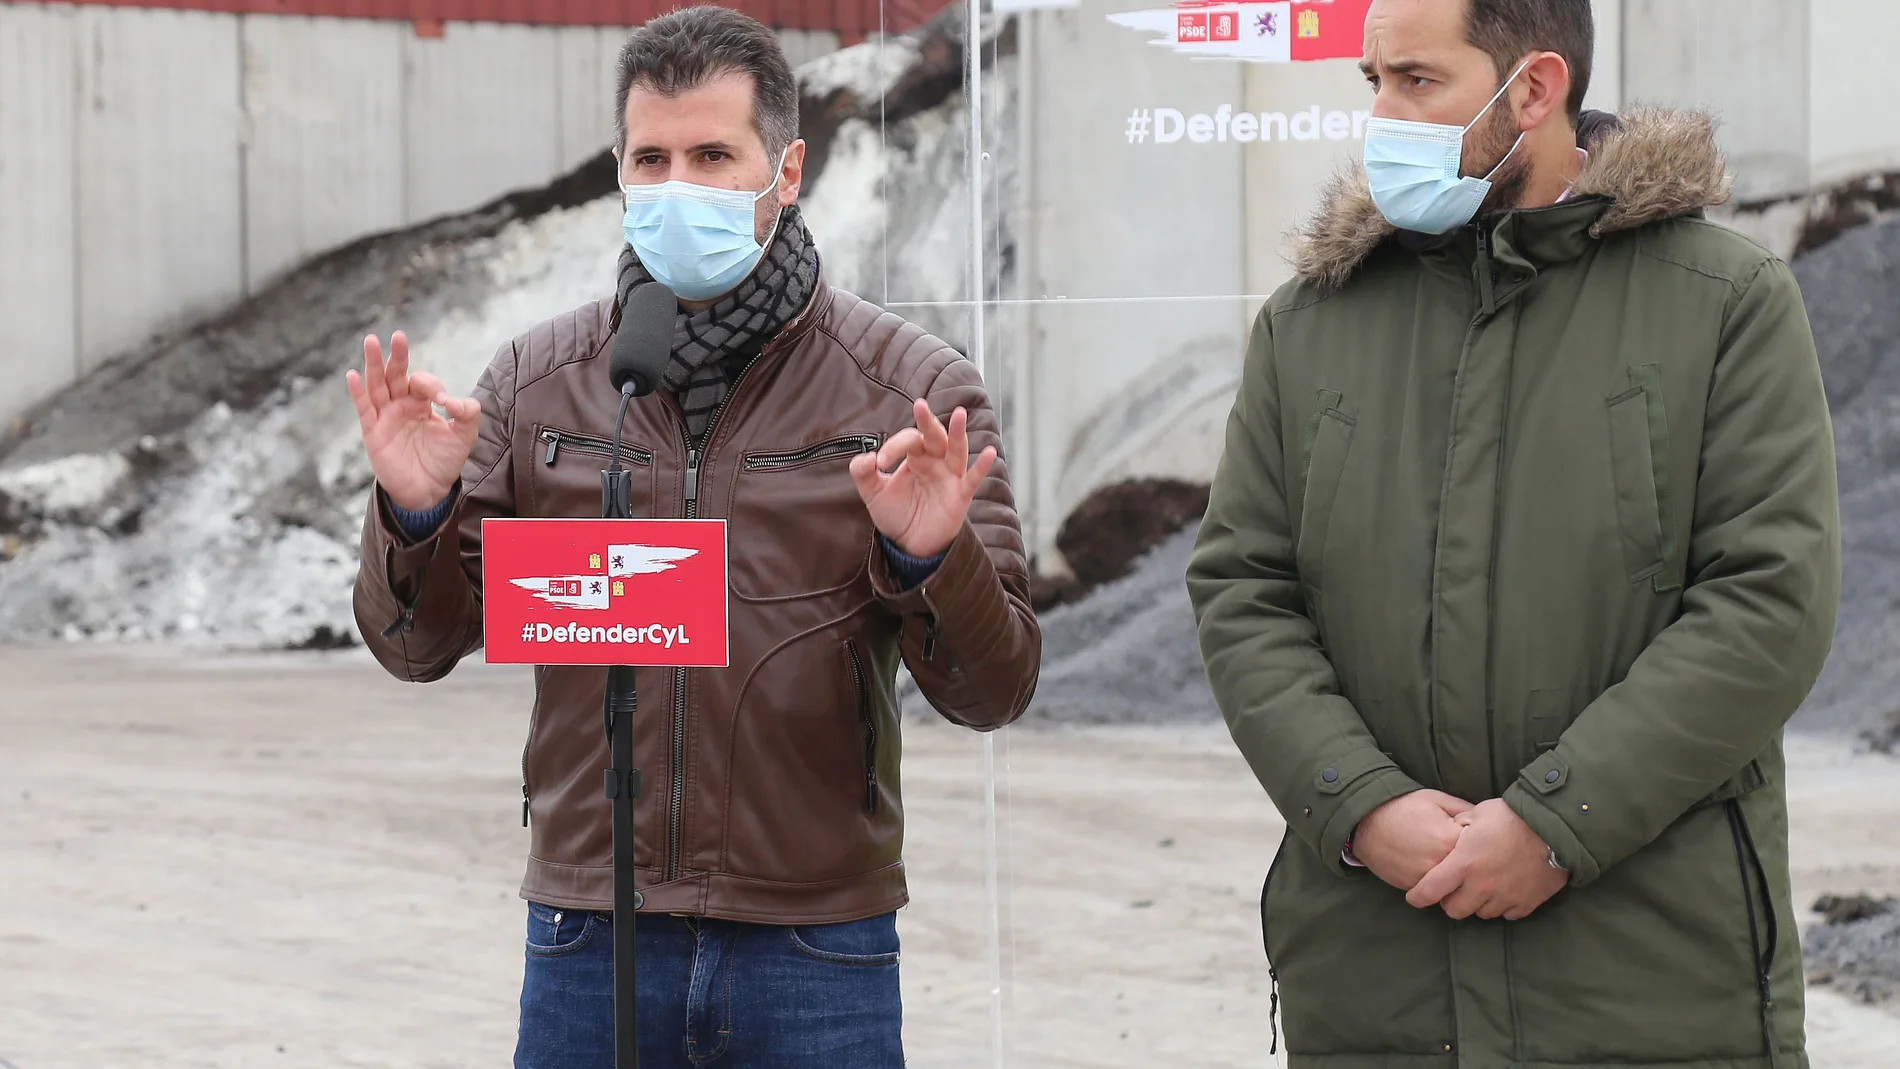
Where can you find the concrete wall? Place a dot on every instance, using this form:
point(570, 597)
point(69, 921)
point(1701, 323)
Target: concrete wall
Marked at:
point(1747, 60)
point(1853, 128)
point(162, 164)
point(324, 154)
point(38, 318)
point(159, 194)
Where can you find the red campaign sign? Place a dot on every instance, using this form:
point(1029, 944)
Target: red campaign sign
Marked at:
point(1328, 29)
point(639, 592)
point(1191, 26)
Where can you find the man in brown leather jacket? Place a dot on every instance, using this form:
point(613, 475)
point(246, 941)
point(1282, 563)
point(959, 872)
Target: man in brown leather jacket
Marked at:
point(836, 440)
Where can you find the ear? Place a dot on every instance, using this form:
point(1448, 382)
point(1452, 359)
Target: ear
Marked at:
point(792, 173)
point(1542, 90)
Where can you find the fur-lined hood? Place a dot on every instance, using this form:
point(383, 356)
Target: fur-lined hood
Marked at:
point(1652, 164)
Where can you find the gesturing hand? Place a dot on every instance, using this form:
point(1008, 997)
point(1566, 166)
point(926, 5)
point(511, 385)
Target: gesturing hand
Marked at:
point(1500, 868)
point(918, 487)
point(416, 454)
point(1403, 839)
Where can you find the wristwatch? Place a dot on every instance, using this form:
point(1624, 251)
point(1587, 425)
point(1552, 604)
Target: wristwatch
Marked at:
point(1554, 863)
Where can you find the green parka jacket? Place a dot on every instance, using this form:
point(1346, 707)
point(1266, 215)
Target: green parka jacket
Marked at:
point(1542, 510)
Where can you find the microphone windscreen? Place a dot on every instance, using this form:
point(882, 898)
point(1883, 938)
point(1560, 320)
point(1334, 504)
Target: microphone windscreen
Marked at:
point(644, 342)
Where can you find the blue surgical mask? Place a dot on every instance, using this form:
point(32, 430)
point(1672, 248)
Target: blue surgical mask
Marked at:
point(695, 240)
point(1413, 170)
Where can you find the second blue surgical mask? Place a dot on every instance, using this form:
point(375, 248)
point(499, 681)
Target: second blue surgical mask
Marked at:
point(1413, 170)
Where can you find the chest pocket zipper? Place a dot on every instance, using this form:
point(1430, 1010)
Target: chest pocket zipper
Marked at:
point(848, 445)
point(553, 441)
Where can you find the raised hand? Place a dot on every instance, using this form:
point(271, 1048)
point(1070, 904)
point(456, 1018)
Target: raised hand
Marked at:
point(417, 455)
point(1500, 868)
point(1406, 837)
point(918, 487)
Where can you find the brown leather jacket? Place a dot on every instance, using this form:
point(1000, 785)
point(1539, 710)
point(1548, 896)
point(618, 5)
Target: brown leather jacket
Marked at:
point(771, 787)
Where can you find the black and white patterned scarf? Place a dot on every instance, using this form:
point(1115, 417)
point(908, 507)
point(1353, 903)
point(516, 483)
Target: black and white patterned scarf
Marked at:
point(712, 345)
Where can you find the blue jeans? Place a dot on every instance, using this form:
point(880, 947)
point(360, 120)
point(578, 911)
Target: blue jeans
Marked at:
point(714, 994)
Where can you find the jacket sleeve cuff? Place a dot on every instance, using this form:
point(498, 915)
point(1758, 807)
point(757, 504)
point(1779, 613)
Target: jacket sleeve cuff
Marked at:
point(417, 525)
point(404, 558)
point(907, 571)
point(959, 569)
point(1529, 798)
point(1374, 783)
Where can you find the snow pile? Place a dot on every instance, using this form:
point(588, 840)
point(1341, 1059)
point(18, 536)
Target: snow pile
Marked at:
point(254, 544)
point(211, 486)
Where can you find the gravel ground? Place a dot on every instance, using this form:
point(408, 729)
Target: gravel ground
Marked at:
point(1858, 958)
point(296, 861)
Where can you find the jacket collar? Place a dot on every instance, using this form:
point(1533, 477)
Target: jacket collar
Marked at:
point(803, 323)
point(1654, 164)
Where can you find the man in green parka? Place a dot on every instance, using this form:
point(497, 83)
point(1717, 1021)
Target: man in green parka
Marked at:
point(1523, 548)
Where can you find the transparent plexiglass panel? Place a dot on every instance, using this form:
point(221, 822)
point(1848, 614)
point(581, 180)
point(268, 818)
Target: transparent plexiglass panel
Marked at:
point(1091, 199)
point(1088, 201)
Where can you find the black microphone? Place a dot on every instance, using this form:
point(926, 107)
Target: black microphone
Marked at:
point(644, 342)
point(642, 347)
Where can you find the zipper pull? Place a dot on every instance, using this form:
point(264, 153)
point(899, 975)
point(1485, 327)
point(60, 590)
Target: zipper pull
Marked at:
point(1487, 299)
point(692, 477)
point(554, 446)
point(524, 805)
point(404, 622)
point(870, 789)
point(1273, 1010)
point(930, 637)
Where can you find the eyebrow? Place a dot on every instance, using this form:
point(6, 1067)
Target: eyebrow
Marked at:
point(709, 146)
point(1402, 67)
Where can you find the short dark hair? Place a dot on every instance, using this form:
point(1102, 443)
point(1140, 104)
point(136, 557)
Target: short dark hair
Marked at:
point(683, 50)
point(1506, 29)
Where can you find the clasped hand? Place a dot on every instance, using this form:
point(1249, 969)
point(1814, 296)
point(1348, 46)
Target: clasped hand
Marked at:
point(1470, 860)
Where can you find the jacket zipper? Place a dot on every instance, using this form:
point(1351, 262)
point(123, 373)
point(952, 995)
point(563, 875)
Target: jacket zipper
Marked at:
point(1745, 856)
point(870, 725)
point(586, 443)
point(677, 794)
point(1487, 299)
point(850, 445)
point(1273, 971)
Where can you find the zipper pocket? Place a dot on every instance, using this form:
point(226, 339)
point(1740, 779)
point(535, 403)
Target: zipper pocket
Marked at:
point(849, 445)
point(1755, 878)
point(553, 441)
point(1266, 944)
point(869, 718)
point(534, 720)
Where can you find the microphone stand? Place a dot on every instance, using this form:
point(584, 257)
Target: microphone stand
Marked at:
point(623, 784)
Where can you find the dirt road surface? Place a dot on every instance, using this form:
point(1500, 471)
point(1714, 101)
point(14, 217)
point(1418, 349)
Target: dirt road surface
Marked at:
point(293, 861)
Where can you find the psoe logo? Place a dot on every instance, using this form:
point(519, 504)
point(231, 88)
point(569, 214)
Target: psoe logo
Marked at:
point(1255, 32)
point(595, 590)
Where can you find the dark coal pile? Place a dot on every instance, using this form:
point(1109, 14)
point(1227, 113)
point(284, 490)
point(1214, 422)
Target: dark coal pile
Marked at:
point(1852, 290)
point(1856, 948)
point(1126, 654)
point(1112, 529)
